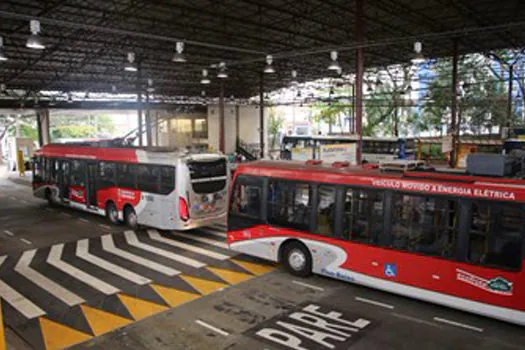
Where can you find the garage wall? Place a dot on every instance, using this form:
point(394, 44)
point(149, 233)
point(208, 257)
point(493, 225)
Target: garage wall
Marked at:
point(248, 125)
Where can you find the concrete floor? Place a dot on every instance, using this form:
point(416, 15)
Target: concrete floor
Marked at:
point(232, 302)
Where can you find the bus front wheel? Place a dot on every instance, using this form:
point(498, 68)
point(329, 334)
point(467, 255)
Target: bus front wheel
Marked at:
point(297, 259)
point(131, 217)
point(112, 213)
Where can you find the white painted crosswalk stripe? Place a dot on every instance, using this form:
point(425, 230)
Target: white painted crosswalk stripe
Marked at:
point(132, 240)
point(109, 245)
point(83, 253)
point(214, 232)
point(23, 268)
point(23, 305)
point(155, 235)
point(196, 237)
point(55, 259)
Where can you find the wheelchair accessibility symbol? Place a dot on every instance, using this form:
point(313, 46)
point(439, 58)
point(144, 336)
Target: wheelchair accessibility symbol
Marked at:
point(390, 269)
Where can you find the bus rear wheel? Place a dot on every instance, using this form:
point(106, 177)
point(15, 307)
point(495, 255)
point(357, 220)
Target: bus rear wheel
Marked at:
point(131, 217)
point(112, 213)
point(297, 259)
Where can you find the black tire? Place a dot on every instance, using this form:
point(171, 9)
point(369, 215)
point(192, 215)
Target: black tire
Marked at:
point(49, 197)
point(131, 217)
point(112, 213)
point(297, 259)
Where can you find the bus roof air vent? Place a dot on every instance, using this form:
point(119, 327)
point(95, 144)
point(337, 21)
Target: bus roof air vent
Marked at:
point(314, 162)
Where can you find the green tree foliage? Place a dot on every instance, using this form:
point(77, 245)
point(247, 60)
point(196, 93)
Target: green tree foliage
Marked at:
point(275, 126)
point(81, 126)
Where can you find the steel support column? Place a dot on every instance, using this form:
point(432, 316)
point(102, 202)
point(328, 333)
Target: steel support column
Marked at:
point(261, 114)
point(509, 98)
point(149, 133)
point(222, 146)
point(139, 103)
point(43, 125)
point(237, 126)
point(359, 68)
point(454, 128)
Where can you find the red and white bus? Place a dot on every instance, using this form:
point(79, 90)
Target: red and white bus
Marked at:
point(447, 239)
point(163, 189)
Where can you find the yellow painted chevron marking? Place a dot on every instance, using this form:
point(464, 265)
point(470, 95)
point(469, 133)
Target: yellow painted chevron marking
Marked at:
point(140, 308)
point(59, 336)
point(102, 321)
point(255, 268)
point(2, 333)
point(173, 296)
point(202, 285)
point(230, 276)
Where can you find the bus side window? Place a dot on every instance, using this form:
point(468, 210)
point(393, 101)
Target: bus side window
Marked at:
point(289, 204)
point(496, 234)
point(424, 224)
point(107, 174)
point(78, 174)
point(167, 179)
point(246, 200)
point(39, 171)
point(126, 175)
point(363, 215)
point(148, 178)
point(326, 211)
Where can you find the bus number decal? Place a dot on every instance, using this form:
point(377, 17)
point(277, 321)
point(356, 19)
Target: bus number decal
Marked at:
point(496, 285)
point(126, 194)
point(312, 326)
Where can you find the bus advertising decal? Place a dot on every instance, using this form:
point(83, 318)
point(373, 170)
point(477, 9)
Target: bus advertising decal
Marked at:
point(496, 285)
point(126, 194)
point(443, 189)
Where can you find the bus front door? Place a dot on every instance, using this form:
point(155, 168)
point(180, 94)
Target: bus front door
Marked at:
point(92, 184)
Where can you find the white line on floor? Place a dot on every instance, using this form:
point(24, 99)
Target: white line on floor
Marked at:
point(373, 302)
point(24, 201)
point(25, 241)
point(196, 237)
point(107, 227)
point(308, 286)
point(210, 327)
point(415, 319)
point(83, 220)
point(458, 324)
point(9, 233)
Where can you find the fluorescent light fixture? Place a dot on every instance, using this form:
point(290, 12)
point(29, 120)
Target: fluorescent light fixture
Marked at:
point(130, 66)
point(269, 68)
point(178, 56)
point(34, 41)
point(3, 57)
point(222, 71)
point(205, 80)
point(334, 65)
point(418, 49)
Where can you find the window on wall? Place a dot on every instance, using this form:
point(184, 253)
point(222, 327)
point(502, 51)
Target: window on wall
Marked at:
point(78, 173)
point(326, 210)
point(289, 204)
point(246, 200)
point(126, 175)
point(148, 178)
point(425, 224)
point(363, 215)
point(167, 179)
point(496, 234)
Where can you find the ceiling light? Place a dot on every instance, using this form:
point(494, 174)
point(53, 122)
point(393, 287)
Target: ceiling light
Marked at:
point(418, 58)
point(150, 87)
point(178, 56)
point(34, 41)
point(203, 93)
point(2, 55)
point(334, 65)
point(205, 80)
point(222, 71)
point(294, 77)
point(269, 68)
point(130, 66)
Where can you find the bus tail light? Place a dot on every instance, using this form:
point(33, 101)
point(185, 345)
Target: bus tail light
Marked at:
point(314, 162)
point(184, 211)
point(340, 164)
